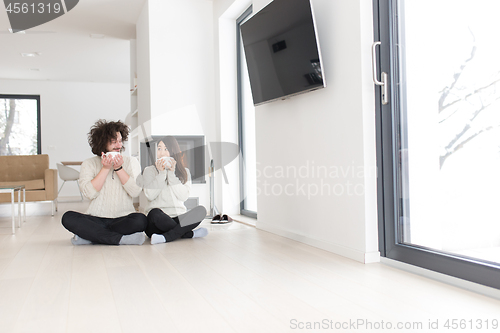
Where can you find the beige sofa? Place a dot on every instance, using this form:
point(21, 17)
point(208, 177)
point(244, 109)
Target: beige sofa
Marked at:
point(33, 172)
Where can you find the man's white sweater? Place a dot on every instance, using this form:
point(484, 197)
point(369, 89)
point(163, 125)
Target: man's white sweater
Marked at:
point(114, 199)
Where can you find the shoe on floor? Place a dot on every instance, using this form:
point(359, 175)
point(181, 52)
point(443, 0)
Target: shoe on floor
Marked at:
point(216, 219)
point(225, 219)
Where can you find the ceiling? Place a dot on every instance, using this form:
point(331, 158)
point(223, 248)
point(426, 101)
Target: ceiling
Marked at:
point(67, 52)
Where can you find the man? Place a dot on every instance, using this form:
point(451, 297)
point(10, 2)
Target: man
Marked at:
point(109, 181)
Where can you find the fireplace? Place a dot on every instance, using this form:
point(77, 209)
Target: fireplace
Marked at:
point(193, 147)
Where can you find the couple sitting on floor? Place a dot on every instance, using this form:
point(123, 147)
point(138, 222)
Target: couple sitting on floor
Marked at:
point(110, 181)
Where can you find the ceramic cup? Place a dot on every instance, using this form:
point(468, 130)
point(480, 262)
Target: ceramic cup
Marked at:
point(168, 161)
point(113, 154)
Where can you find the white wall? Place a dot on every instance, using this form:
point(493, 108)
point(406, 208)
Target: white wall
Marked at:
point(182, 70)
point(331, 129)
point(68, 110)
point(178, 65)
point(143, 67)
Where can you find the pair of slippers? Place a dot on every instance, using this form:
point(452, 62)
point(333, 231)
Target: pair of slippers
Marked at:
point(221, 219)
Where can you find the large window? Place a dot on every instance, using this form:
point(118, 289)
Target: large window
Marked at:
point(20, 125)
point(439, 135)
point(246, 127)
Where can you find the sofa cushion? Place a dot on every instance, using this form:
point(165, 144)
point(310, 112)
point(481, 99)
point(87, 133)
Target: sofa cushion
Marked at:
point(23, 167)
point(37, 184)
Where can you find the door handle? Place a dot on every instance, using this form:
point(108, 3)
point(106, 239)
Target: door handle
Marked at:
point(384, 83)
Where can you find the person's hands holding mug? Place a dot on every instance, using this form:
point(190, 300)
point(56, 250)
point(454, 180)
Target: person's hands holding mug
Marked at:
point(118, 161)
point(107, 161)
point(171, 165)
point(160, 164)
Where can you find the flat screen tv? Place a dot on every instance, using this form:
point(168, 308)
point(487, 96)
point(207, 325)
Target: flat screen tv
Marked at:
point(282, 51)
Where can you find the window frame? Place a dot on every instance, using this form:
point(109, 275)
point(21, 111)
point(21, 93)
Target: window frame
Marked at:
point(39, 122)
point(387, 122)
point(241, 125)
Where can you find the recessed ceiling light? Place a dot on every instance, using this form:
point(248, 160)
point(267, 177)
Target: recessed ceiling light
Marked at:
point(19, 32)
point(31, 54)
point(97, 36)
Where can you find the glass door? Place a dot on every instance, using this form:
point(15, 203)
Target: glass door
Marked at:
point(439, 135)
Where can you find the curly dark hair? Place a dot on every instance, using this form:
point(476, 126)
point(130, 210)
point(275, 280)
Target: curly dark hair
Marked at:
point(102, 132)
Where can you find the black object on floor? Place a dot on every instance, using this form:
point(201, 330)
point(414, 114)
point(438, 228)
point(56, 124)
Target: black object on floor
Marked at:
point(226, 219)
point(216, 219)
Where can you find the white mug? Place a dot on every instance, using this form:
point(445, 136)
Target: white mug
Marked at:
point(113, 154)
point(168, 161)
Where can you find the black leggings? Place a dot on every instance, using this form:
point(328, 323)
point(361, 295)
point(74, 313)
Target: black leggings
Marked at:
point(103, 230)
point(169, 227)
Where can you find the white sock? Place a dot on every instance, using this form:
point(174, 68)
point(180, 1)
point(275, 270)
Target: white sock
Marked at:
point(77, 240)
point(200, 232)
point(137, 238)
point(157, 239)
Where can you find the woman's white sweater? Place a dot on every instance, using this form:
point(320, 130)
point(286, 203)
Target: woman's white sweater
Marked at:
point(114, 199)
point(165, 191)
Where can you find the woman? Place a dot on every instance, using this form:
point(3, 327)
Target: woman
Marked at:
point(110, 183)
point(166, 185)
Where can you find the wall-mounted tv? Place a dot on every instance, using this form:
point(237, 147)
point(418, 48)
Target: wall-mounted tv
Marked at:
point(282, 51)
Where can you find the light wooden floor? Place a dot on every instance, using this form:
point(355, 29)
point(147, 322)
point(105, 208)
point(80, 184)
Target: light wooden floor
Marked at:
point(237, 279)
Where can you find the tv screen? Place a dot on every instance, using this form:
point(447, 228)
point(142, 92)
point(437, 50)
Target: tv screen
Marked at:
point(281, 50)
